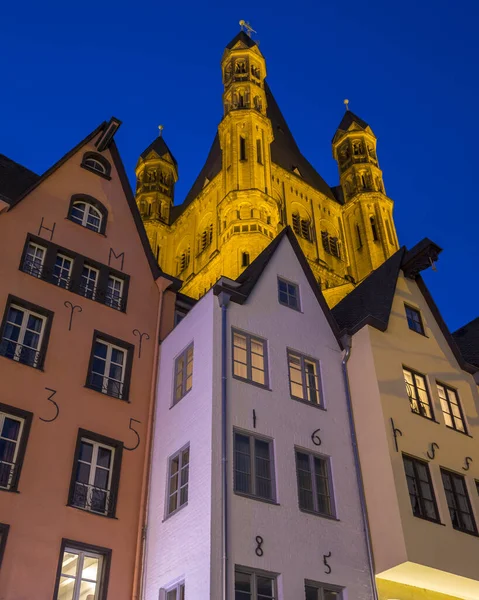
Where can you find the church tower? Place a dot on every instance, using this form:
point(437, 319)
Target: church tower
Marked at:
point(156, 175)
point(367, 213)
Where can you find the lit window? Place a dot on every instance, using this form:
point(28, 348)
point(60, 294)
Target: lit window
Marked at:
point(83, 573)
point(414, 320)
point(421, 492)
point(110, 368)
point(183, 373)
point(451, 408)
point(418, 393)
point(458, 502)
point(88, 282)
point(304, 378)
point(114, 294)
point(86, 215)
point(288, 294)
point(314, 488)
point(14, 429)
point(95, 474)
point(96, 162)
point(62, 271)
point(249, 358)
point(250, 585)
point(23, 334)
point(321, 591)
point(178, 477)
point(34, 259)
point(253, 466)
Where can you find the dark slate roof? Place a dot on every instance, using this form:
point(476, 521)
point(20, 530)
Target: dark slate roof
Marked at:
point(349, 118)
point(251, 275)
point(467, 338)
point(160, 147)
point(371, 301)
point(241, 37)
point(14, 179)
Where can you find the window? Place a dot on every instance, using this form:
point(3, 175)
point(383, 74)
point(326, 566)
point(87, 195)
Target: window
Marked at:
point(173, 593)
point(62, 271)
point(34, 259)
point(14, 429)
point(451, 408)
point(206, 237)
point(25, 332)
point(288, 294)
point(242, 148)
point(358, 233)
point(88, 282)
point(458, 502)
point(303, 377)
point(254, 585)
point(97, 163)
point(110, 366)
point(249, 358)
point(421, 492)
point(296, 224)
point(414, 319)
point(96, 473)
point(184, 260)
point(306, 229)
point(330, 244)
point(374, 230)
point(418, 393)
point(253, 466)
point(178, 476)
point(114, 293)
point(3, 539)
point(320, 591)
point(259, 154)
point(82, 572)
point(86, 215)
point(314, 487)
point(183, 373)
point(245, 259)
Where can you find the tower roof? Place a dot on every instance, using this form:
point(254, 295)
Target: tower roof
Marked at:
point(241, 37)
point(160, 147)
point(349, 118)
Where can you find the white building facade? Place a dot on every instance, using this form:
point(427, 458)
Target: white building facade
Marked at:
point(257, 361)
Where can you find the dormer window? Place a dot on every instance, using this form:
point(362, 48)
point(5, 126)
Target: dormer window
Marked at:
point(88, 212)
point(96, 163)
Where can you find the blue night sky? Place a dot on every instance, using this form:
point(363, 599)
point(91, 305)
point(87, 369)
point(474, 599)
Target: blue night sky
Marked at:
point(409, 68)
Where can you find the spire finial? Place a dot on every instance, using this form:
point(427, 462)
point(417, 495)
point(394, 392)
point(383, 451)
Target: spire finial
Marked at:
point(160, 127)
point(245, 26)
point(346, 103)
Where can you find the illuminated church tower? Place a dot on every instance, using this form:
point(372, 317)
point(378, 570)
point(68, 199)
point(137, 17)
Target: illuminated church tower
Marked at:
point(255, 181)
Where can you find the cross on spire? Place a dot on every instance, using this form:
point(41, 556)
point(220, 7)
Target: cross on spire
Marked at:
point(245, 26)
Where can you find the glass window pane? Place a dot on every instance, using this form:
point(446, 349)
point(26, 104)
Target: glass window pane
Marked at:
point(90, 569)
point(87, 590)
point(242, 582)
point(66, 588)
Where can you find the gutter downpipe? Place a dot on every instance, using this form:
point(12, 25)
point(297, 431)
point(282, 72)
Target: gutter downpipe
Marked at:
point(223, 299)
point(346, 341)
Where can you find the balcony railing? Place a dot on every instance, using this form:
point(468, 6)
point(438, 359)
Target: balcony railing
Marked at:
point(87, 290)
point(20, 353)
point(106, 385)
point(8, 475)
point(92, 498)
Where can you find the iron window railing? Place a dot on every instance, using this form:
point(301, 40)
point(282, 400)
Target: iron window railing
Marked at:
point(92, 498)
point(9, 473)
point(106, 385)
point(20, 353)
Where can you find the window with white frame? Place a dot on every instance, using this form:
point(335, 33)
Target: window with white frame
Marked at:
point(183, 373)
point(93, 477)
point(254, 585)
point(288, 294)
point(176, 592)
point(178, 477)
point(451, 408)
point(34, 259)
point(314, 483)
point(108, 368)
point(97, 163)
point(322, 591)
point(418, 393)
point(253, 466)
point(249, 358)
point(87, 215)
point(22, 335)
point(82, 573)
point(62, 271)
point(12, 441)
point(89, 282)
point(304, 381)
point(114, 294)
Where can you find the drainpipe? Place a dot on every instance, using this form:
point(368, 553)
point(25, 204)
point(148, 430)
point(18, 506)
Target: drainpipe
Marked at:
point(223, 299)
point(346, 341)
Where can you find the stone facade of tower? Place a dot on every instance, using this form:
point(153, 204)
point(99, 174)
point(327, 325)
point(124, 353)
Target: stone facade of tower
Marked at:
point(255, 182)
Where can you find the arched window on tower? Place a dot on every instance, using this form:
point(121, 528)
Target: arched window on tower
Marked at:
point(296, 224)
point(364, 182)
point(244, 259)
point(259, 153)
point(206, 238)
point(374, 229)
point(358, 234)
point(242, 148)
point(184, 260)
point(306, 229)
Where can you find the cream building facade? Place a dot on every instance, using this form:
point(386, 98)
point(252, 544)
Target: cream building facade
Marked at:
point(255, 182)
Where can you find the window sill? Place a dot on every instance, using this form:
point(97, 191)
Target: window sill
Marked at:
point(308, 403)
point(435, 521)
point(459, 431)
point(252, 497)
point(86, 228)
point(418, 332)
point(175, 512)
point(41, 369)
point(90, 387)
point(2, 489)
point(102, 175)
point(91, 512)
point(176, 402)
point(290, 307)
point(473, 533)
point(432, 420)
point(317, 514)
point(259, 385)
